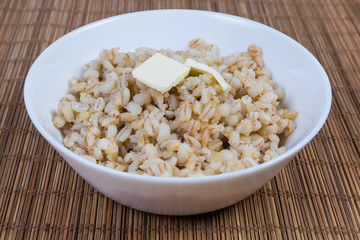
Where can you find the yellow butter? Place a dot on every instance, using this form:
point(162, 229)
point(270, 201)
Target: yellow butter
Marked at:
point(161, 72)
point(203, 68)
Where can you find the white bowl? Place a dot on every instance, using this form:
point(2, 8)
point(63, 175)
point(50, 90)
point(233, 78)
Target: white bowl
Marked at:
point(293, 67)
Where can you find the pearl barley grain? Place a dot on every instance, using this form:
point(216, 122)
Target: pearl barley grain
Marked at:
point(191, 127)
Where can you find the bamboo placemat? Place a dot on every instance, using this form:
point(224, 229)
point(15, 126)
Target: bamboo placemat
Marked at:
point(316, 196)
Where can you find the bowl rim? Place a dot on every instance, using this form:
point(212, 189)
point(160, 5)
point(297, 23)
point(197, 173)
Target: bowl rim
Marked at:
point(183, 180)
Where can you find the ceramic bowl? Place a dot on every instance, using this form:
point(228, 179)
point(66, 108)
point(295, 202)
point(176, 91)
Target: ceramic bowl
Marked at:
point(305, 82)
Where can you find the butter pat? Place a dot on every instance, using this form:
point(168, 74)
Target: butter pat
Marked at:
point(203, 68)
point(161, 72)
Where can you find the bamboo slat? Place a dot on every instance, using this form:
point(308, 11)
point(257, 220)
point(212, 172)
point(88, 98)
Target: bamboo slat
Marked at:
point(316, 196)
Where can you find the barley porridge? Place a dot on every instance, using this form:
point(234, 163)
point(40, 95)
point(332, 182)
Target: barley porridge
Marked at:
point(196, 128)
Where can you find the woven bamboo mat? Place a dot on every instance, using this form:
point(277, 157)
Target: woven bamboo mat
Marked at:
point(316, 196)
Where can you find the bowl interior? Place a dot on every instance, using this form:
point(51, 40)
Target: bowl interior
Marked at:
point(293, 67)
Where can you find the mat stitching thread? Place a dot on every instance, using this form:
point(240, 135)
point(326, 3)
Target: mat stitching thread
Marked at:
point(19, 130)
point(117, 12)
point(15, 80)
point(310, 194)
point(31, 41)
point(322, 162)
point(214, 229)
point(28, 158)
point(17, 60)
point(12, 104)
point(272, 2)
point(343, 113)
point(344, 88)
point(337, 138)
point(41, 193)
